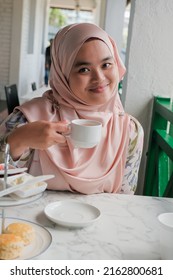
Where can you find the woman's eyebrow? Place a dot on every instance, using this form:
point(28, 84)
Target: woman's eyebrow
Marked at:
point(107, 58)
point(82, 63)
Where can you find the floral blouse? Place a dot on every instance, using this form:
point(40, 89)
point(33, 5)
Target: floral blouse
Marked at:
point(135, 148)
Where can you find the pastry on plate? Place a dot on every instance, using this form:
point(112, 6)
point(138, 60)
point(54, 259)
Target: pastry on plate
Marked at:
point(24, 230)
point(11, 246)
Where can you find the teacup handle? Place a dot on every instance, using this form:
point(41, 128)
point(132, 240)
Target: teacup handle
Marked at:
point(66, 134)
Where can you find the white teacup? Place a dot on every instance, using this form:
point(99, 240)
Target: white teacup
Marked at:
point(166, 235)
point(85, 133)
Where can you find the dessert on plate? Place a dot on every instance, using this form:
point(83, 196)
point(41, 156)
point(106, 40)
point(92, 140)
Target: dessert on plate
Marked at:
point(11, 246)
point(24, 230)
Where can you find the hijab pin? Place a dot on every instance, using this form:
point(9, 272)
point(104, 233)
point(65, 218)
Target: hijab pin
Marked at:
point(121, 114)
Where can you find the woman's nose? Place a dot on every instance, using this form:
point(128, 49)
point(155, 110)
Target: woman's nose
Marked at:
point(98, 75)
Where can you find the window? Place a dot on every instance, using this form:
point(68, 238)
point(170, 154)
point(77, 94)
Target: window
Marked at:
point(59, 17)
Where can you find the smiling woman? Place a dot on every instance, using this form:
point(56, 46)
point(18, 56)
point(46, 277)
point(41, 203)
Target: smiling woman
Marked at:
point(93, 73)
point(85, 72)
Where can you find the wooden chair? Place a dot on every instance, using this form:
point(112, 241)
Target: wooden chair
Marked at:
point(11, 97)
point(159, 168)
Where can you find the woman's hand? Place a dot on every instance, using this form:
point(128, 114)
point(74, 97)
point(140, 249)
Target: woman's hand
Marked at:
point(36, 135)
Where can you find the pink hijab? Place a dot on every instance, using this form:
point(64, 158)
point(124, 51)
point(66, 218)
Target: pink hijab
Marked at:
point(95, 170)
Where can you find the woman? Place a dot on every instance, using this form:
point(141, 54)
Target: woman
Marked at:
point(85, 72)
point(47, 63)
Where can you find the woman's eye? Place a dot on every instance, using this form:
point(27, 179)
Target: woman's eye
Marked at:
point(83, 70)
point(106, 65)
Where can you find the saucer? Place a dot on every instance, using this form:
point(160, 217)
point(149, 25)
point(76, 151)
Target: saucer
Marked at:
point(72, 213)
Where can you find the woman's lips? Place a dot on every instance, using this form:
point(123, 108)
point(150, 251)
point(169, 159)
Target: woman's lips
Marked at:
point(98, 89)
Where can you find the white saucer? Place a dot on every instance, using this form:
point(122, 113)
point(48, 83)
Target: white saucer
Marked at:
point(71, 213)
point(12, 169)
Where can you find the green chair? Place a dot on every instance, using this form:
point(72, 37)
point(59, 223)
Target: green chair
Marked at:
point(159, 167)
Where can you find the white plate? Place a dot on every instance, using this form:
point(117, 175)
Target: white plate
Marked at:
point(72, 213)
point(30, 189)
point(14, 200)
point(24, 185)
point(12, 169)
point(40, 244)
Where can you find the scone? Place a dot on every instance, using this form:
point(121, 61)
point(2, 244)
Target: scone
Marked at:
point(25, 231)
point(11, 246)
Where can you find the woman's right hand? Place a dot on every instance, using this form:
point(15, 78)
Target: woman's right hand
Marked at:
point(36, 135)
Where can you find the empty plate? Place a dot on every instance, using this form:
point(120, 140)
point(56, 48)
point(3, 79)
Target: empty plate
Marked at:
point(71, 213)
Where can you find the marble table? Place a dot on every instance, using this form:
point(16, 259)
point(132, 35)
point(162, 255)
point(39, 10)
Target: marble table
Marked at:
point(128, 228)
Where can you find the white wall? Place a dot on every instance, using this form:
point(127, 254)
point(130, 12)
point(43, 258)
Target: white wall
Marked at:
point(33, 45)
point(6, 8)
point(114, 20)
point(16, 42)
point(17, 64)
point(150, 60)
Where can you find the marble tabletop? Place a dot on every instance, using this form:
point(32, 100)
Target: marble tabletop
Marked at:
point(128, 228)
